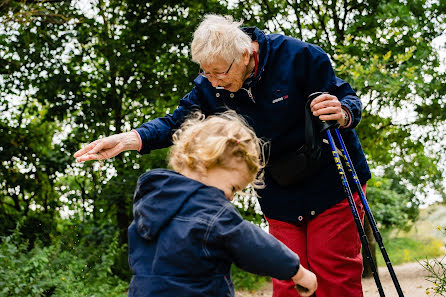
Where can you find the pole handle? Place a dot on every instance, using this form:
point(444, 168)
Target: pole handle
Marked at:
point(301, 289)
point(324, 125)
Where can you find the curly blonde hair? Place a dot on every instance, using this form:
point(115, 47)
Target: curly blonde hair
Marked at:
point(203, 143)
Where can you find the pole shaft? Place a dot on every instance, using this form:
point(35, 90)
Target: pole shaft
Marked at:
point(354, 210)
point(369, 214)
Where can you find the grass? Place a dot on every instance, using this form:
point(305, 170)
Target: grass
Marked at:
point(424, 240)
point(405, 249)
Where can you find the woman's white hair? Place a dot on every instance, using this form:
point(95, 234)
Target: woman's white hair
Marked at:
point(219, 37)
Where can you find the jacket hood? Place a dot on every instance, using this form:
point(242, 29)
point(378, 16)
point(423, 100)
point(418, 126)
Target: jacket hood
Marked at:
point(159, 195)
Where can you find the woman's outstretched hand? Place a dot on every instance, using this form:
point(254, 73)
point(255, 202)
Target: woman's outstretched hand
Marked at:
point(306, 282)
point(109, 147)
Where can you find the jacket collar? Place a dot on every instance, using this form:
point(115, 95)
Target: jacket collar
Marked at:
point(257, 35)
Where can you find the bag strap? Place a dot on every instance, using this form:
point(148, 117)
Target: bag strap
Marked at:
point(310, 135)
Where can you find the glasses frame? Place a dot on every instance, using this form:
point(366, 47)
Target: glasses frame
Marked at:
point(220, 75)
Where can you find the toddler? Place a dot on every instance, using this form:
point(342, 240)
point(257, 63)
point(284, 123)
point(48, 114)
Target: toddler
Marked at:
point(186, 233)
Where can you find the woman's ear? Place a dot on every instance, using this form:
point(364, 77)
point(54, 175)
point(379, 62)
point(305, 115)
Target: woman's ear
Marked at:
point(246, 57)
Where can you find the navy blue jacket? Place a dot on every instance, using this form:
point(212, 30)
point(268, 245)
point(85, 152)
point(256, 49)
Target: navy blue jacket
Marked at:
point(273, 104)
point(185, 235)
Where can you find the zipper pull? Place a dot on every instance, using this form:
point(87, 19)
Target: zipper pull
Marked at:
point(250, 94)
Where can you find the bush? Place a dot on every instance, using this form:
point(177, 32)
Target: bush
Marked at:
point(53, 271)
point(437, 272)
point(246, 281)
point(437, 275)
point(405, 249)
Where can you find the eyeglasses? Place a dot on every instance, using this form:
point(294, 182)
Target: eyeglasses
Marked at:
point(219, 75)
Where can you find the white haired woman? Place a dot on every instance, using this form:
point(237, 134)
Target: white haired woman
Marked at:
point(267, 79)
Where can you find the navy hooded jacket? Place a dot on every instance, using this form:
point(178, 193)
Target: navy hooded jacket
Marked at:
point(185, 235)
point(273, 104)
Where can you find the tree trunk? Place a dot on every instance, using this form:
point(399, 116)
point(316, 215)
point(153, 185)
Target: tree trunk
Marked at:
point(372, 246)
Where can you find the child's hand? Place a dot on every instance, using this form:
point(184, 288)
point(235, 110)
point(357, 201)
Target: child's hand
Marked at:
point(306, 282)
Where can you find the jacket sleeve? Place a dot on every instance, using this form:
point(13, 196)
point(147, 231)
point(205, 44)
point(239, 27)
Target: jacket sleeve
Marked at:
point(252, 249)
point(321, 78)
point(157, 133)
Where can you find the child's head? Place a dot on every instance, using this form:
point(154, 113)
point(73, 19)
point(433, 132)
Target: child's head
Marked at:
point(221, 151)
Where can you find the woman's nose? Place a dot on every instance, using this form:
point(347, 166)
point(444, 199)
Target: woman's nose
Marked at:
point(214, 81)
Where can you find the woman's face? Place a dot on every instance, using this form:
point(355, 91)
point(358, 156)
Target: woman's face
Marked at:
point(230, 76)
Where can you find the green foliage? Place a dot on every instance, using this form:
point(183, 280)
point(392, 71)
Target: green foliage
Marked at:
point(406, 249)
point(38, 227)
point(437, 276)
point(246, 281)
point(68, 77)
point(392, 203)
point(71, 77)
point(437, 271)
point(29, 165)
point(57, 271)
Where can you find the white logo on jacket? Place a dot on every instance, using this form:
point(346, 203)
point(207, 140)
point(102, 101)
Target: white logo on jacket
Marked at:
point(280, 99)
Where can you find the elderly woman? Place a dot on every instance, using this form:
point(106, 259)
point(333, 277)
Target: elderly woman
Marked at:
point(267, 79)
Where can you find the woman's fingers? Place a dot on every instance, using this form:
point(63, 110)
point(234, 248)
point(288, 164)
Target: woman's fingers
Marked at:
point(329, 105)
point(110, 153)
point(100, 145)
point(102, 151)
point(108, 147)
point(328, 108)
point(86, 149)
point(322, 99)
point(87, 157)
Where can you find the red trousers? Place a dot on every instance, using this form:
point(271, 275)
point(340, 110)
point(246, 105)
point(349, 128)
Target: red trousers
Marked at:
point(329, 246)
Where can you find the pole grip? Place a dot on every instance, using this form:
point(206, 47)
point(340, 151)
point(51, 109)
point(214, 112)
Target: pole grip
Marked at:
point(300, 288)
point(324, 125)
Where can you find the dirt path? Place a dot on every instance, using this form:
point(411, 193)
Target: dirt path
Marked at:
point(411, 276)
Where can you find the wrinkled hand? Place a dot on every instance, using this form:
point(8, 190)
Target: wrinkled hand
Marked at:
point(108, 147)
point(306, 282)
point(328, 108)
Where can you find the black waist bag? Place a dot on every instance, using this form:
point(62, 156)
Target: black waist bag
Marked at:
point(297, 166)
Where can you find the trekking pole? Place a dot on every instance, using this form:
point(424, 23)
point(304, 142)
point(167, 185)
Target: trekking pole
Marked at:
point(369, 214)
point(326, 126)
point(352, 204)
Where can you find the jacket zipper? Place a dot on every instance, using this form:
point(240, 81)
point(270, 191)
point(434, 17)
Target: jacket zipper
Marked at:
point(249, 94)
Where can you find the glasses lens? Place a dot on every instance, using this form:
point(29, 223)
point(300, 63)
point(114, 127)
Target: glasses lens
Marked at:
point(220, 75)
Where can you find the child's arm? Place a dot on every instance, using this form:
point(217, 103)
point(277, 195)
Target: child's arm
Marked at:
point(256, 251)
point(252, 249)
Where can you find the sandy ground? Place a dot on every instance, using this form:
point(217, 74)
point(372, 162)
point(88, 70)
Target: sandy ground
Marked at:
point(411, 276)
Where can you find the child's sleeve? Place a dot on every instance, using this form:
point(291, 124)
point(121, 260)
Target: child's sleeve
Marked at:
point(252, 249)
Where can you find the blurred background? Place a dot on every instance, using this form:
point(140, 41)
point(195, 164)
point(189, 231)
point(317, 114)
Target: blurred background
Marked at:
point(75, 71)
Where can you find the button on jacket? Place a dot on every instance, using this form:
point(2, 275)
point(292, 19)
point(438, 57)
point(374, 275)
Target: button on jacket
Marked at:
point(273, 104)
point(185, 235)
